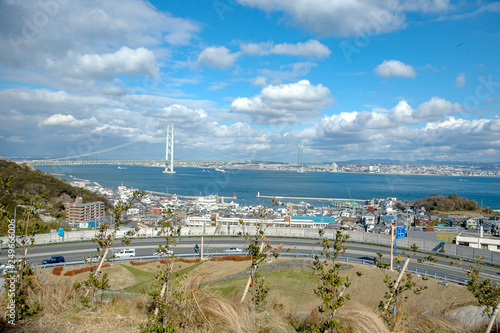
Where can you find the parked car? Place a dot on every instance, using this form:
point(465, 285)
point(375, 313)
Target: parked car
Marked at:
point(53, 260)
point(234, 249)
point(125, 253)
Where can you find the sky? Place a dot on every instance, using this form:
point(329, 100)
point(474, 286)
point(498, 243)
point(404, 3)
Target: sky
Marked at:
point(403, 80)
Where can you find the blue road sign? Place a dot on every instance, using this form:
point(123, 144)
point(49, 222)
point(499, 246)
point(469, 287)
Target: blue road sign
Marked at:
point(61, 232)
point(400, 232)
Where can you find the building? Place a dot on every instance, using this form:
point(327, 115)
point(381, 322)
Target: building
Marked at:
point(288, 221)
point(80, 212)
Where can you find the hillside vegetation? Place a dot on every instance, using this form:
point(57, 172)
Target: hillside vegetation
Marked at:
point(21, 185)
point(210, 303)
point(450, 203)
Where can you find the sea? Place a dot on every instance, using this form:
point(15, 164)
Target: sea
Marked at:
point(246, 184)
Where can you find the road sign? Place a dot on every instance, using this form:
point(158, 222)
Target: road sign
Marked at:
point(400, 232)
point(61, 232)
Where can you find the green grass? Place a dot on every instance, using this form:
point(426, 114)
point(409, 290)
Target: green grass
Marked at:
point(228, 288)
point(186, 269)
point(445, 236)
point(145, 279)
point(286, 282)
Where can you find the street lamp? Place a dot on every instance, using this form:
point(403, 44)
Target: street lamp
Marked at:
point(15, 211)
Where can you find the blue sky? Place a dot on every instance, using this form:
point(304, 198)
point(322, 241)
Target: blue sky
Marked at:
point(251, 79)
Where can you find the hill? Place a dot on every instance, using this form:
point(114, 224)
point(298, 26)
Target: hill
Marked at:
point(22, 185)
point(206, 298)
point(450, 203)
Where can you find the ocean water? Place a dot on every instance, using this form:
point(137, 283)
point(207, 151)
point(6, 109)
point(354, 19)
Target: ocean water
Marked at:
point(247, 183)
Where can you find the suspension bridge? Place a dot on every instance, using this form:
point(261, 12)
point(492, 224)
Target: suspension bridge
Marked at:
point(120, 155)
point(84, 154)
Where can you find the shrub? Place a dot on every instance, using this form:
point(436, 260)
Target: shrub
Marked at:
point(190, 260)
point(83, 270)
point(57, 270)
point(138, 263)
point(233, 258)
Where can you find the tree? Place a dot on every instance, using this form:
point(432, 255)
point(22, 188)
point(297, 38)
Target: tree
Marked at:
point(259, 248)
point(164, 318)
point(485, 292)
point(398, 289)
point(331, 285)
point(19, 273)
point(105, 240)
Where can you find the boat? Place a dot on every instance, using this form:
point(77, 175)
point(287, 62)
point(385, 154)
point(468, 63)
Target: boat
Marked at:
point(222, 170)
point(122, 168)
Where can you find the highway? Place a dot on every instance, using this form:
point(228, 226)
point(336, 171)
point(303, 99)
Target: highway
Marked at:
point(300, 247)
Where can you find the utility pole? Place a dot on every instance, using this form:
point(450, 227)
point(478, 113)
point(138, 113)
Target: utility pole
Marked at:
point(392, 246)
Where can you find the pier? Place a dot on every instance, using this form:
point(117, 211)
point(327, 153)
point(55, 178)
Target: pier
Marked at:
point(309, 199)
point(190, 197)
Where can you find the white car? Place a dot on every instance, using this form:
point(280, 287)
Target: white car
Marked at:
point(125, 253)
point(234, 249)
point(163, 254)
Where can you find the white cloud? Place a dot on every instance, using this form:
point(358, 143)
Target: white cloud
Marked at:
point(339, 18)
point(113, 90)
point(217, 57)
point(395, 68)
point(460, 80)
point(349, 18)
point(15, 139)
point(284, 104)
point(68, 120)
point(402, 113)
point(348, 134)
point(260, 81)
point(127, 61)
point(288, 72)
point(311, 48)
point(435, 108)
point(81, 25)
point(217, 86)
point(426, 5)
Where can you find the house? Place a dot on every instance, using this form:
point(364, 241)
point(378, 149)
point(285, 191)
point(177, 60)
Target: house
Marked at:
point(155, 210)
point(471, 224)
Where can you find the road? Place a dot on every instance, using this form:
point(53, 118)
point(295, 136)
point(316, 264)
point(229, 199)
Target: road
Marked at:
point(146, 247)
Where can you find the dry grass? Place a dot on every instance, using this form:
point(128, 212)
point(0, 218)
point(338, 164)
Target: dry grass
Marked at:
point(205, 311)
point(213, 270)
point(357, 318)
point(428, 324)
point(223, 315)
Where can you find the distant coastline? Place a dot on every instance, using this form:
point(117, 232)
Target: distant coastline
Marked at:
point(246, 184)
point(462, 170)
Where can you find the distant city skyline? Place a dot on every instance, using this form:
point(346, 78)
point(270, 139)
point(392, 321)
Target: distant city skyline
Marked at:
point(249, 79)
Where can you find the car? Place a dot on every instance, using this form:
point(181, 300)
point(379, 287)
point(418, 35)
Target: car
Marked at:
point(163, 254)
point(234, 249)
point(53, 260)
point(125, 253)
point(92, 259)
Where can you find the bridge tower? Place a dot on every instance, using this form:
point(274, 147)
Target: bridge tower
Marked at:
point(169, 154)
point(300, 161)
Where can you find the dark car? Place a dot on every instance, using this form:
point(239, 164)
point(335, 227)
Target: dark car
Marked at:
point(53, 260)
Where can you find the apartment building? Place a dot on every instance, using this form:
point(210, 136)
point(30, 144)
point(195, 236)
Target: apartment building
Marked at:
point(90, 211)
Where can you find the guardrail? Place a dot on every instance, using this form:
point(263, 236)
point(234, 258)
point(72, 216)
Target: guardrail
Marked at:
point(415, 271)
point(424, 245)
